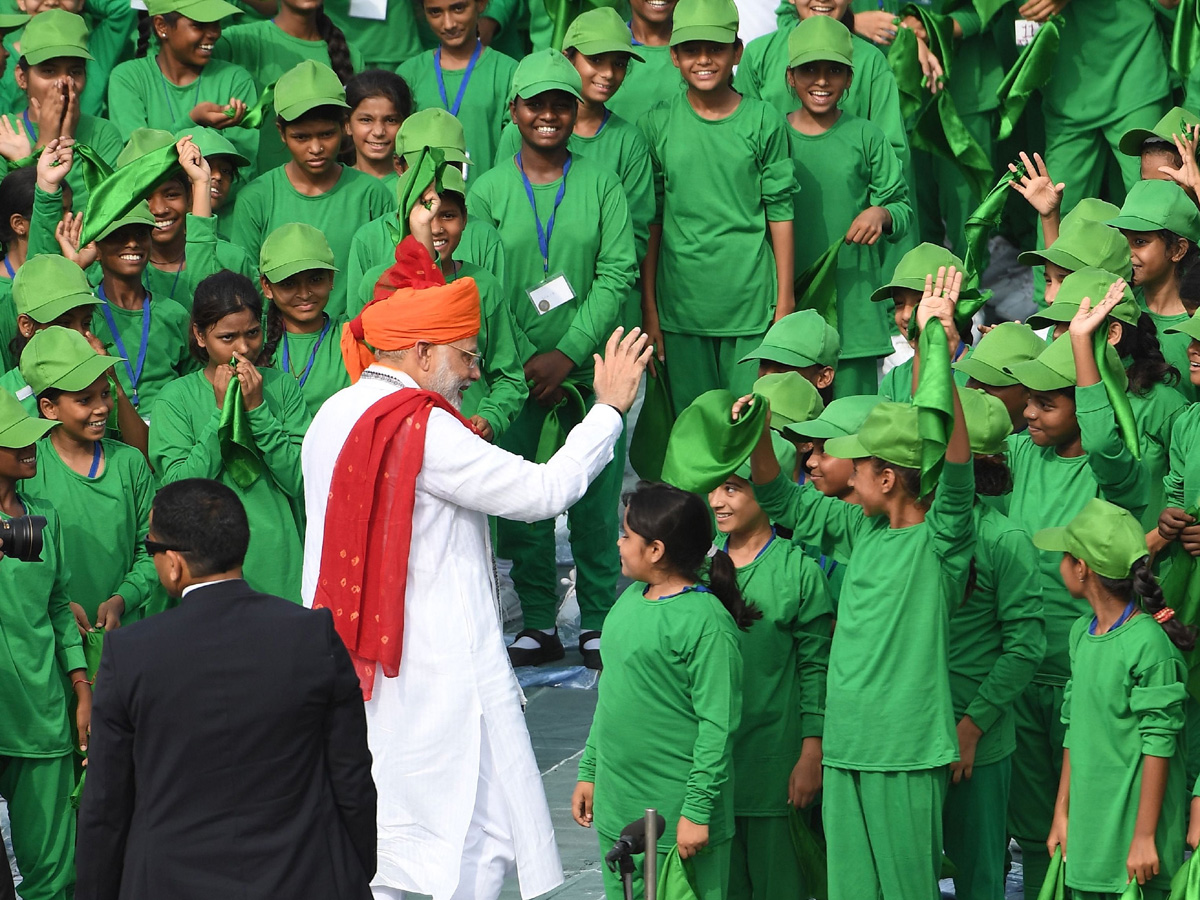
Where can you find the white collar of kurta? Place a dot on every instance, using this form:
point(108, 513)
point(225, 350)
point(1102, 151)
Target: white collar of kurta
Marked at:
point(203, 584)
point(389, 375)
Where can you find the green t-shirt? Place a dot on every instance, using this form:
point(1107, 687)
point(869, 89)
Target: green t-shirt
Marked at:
point(897, 381)
point(270, 201)
point(104, 520)
point(838, 175)
point(997, 635)
point(484, 106)
point(204, 254)
point(41, 645)
point(890, 652)
point(1125, 701)
point(716, 268)
point(99, 134)
point(785, 657)
point(1174, 348)
point(183, 444)
point(1049, 490)
point(1181, 484)
point(591, 244)
point(383, 43)
point(315, 361)
point(1155, 415)
point(675, 661)
point(646, 84)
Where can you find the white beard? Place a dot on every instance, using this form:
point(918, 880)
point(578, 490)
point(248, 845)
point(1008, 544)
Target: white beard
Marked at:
point(445, 382)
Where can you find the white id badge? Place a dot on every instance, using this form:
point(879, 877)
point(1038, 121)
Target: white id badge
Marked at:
point(368, 9)
point(551, 293)
point(1025, 31)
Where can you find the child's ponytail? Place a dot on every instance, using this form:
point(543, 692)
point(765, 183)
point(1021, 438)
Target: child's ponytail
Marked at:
point(335, 41)
point(1146, 586)
point(722, 581)
point(274, 334)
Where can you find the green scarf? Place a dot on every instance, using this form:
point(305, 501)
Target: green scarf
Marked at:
point(816, 286)
point(122, 190)
point(986, 9)
point(1115, 383)
point(1029, 73)
point(1186, 883)
point(810, 856)
point(978, 228)
point(648, 446)
point(560, 419)
point(95, 169)
point(428, 166)
point(1055, 885)
point(677, 880)
point(934, 400)
point(257, 114)
point(239, 452)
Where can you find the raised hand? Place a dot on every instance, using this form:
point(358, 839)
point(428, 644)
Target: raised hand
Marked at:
point(1037, 187)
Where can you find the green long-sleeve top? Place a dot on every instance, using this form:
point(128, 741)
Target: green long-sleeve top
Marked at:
point(1181, 484)
point(592, 245)
point(667, 710)
point(785, 659)
point(997, 635)
point(104, 520)
point(315, 362)
point(183, 444)
point(39, 644)
point(1174, 349)
point(204, 254)
point(99, 134)
point(890, 653)
point(646, 84)
point(718, 212)
point(1155, 414)
point(1049, 490)
point(1125, 701)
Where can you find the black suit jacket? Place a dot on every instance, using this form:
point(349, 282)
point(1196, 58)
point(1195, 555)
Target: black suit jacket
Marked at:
point(228, 758)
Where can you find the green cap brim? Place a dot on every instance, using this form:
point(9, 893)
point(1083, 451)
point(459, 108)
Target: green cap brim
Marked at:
point(914, 284)
point(529, 91)
point(1051, 255)
point(1051, 539)
point(452, 154)
point(13, 21)
point(1131, 141)
point(1049, 317)
point(48, 312)
point(718, 34)
point(596, 47)
point(42, 54)
point(134, 217)
point(291, 267)
point(779, 355)
point(1133, 223)
point(984, 373)
point(819, 54)
point(848, 447)
point(300, 107)
point(206, 10)
point(1037, 376)
point(82, 376)
point(25, 432)
point(1191, 328)
point(813, 430)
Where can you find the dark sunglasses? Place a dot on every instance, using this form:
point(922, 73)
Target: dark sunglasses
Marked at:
point(155, 547)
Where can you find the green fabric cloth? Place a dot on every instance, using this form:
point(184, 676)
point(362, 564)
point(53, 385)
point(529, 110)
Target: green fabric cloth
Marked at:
point(756, 186)
point(1154, 418)
point(43, 827)
point(41, 645)
point(239, 452)
point(1055, 885)
point(898, 602)
point(646, 84)
point(383, 43)
point(8, 324)
point(1030, 73)
point(838, 175)
point(560, 419)
point(707, 445)
point(648, 446)
point(121, 193)
point(679, 750)
point(328, 374)
point(484, 107)
point(1186, 883)
point(677, 880)
point(184, 444)
point(934, 400)
point(104, 520)
point(1124, 701)
point(204, 254)
point(1185, 38)
point(979, 227)
point(167, 354)
point(973, 829)
point(897, 383)
point(816, 286)
point(709, 873)
point(270, 201)
point(99, 134)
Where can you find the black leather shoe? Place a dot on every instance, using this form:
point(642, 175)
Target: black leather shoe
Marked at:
point(549, 649)
point(591, 658)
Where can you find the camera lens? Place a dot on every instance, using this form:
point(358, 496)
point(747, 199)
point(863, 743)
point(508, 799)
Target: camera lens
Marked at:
point(22, 537)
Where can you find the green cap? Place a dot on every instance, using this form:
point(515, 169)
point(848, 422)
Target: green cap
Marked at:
point(143, 141)
point(18, 428)
point(196, 10)
point(1091, 283)
point(545, 70)
point(792, 397)
point(293, 248)
point(922, 260)
point(705, 20)
point(1175, 122)
point(785, 453)
point(1189, 326)
point(1154, 205)
point(212, 143)
point(452, 180)
point(49, 285)
point(820, 38)
point(1005, 345)
point(599, 31)
point(1105, 536)
point(306, 86)
point(987, 419)
point(706, 445)
point(1054, 370)
point(435, 128)
point(62, 358)
point(54, 33)
point(800, 339)
point(888, 432)
point(12, 21)
point(1084, 240)
point(842, 417)
point(139, 215)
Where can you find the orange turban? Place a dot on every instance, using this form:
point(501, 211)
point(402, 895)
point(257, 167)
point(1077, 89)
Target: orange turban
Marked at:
point(412, 303)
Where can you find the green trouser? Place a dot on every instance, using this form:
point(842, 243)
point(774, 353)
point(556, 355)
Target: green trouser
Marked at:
point(976, 836)
point(855, 377)
point(762, 860)
point(710, 865)
point(593, 527)
point(884, 833)
point(948, 198)
point(700, 363)
point(1191, 730)
point(1036, 767)
point(38, 793)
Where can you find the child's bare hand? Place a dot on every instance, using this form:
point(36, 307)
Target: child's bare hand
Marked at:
point(1058, 835)
point(14, 140)
point(868, 226)
point(690, 837)
point(81, 619)
point(940, 300)
point(54, 164)
point(1142, 863)
point(1193, 832)
point(742, 404)
point(1037, 187)
point(1041, 10)
point(581, 803)
point(876, 26)
point(805, 781)
point(1171, 521)
point(933, 75)
point(1187, 176)
point(67, 233)
point(1087, 320)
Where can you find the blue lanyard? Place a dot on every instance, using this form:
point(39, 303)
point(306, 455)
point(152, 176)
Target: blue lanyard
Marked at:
point(603, 122)
point(95, 461)
point(958, 351)
point(832, 563)
point(701, 588)
point(770, 541)
point(9, 268)
point(462, 88)
point(1121, 621)
point(312, 357)
point(543, 233)
point(29, 125)
point(167, 93)
point(134, 372)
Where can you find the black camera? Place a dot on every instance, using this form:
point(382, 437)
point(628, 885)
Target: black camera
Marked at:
point(22, 537)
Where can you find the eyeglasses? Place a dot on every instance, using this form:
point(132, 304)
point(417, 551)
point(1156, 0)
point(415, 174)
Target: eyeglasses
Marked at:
point(473, 360)
point(155, 547)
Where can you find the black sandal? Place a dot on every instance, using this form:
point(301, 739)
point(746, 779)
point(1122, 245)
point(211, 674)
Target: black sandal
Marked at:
point(591, 658)
point(549, 649)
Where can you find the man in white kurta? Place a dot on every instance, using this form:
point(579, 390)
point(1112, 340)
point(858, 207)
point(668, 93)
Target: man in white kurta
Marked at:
point(460, 795)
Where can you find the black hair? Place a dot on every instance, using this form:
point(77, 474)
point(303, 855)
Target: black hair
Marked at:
point(380, 83)
point(16, 199)
point(328, 113)
point(335, 41)
point(145, 29)
point(1157, 145)
point(207, 519)
point(52, 394)
point(993, 477)
point(1141, 583)
point(1185, 265)
point(456, 198)
point(683, 522)
point(1189, 289)
point(1149, 367)
point(909, 478)
point(216, 297)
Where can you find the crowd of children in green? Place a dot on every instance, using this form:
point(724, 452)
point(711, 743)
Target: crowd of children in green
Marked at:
point(880, 624)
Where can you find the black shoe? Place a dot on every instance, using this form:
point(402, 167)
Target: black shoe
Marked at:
point(591, 658)
point(549, 649)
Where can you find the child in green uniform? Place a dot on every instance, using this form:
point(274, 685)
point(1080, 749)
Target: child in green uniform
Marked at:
point(1158, 148)
point(569, 257)
point(1182, 482)
point(800, 342)
point(669, 702)
point(183, 85)
point(224, 164)
point(693, 270)
point(41, 648)
point(986, 369)
point(313, 187)
point(777, 747)
point(652, 77)
point(463, 76)
point(1120, 801)
point(379, 102)
point(191, 435)
point(296, 273)
point(850, 187)
point(101, 488)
